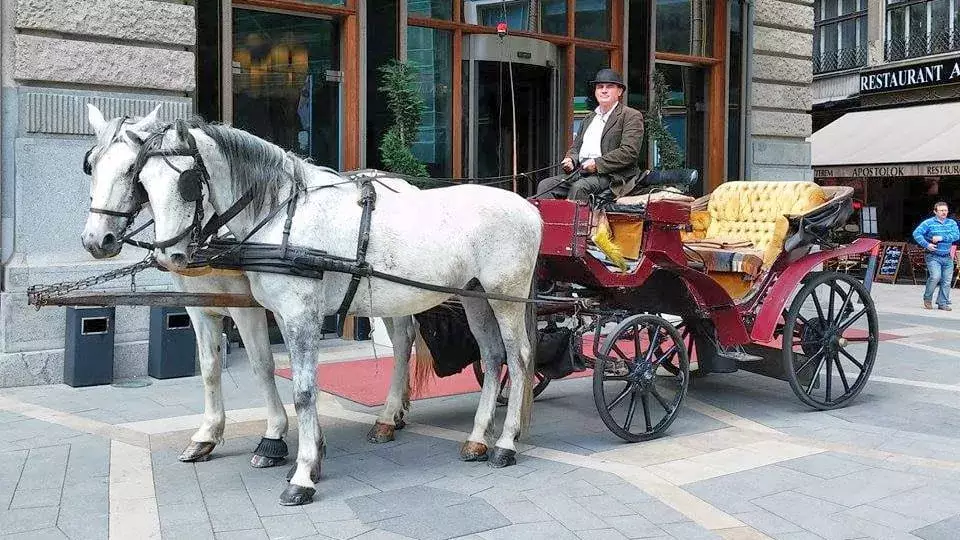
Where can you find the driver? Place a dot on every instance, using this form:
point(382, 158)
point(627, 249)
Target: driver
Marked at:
point(607, 147)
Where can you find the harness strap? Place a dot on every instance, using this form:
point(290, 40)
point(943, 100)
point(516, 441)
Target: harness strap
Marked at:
point(368, 198)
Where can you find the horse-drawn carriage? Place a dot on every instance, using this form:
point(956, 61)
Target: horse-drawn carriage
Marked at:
point(635, 288)
point(639, 287)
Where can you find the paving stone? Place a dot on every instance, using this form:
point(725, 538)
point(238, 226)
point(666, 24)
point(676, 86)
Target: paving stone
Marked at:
point(565, 510)
point(732, 493)
point(284, 527)
point(862, 487)
point(28, 519)
point(550, 530)
point(231, 511)
point(521, 511)
point(465, 485)
point(377, 534)
point(606, 506)
point(342, 530)
point(82, 523)
point(942, 530)
point(799, 535)
point(499, 494)
point(596, 478)
point(812, 514)
point(42, 478)
point(634, 526)
point(657, 512)
point(182, 514)
point(441, 523)
point(51, 533)
point(930, 503)
point(689, 529)
point(250, 534)
point(328, 509)
point(824, 465)
point(602, 534)
point(200, 531)
point(264, 492)
point(626, 493)
point(767, 522)
point(887, 518)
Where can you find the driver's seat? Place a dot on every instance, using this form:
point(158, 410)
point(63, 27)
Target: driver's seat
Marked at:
point(645, 185)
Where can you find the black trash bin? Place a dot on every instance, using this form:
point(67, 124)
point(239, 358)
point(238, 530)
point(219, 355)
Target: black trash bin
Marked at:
point(88, 350)
point(173, 345)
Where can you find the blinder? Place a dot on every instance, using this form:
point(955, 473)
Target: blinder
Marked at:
point(189, 185)
point(87, 167)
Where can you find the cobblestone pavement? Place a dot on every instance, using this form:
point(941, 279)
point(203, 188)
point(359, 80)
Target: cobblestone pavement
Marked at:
point(744, 460)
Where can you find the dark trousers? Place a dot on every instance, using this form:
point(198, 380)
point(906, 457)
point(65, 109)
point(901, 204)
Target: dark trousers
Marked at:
point(578, 187)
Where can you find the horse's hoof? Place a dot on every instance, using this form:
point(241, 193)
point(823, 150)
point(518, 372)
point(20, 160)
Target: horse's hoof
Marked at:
point(197, 451)
point(314, 474)
point(501, 457)
point(381, 433)
point(264, 462)
point(399, 423)
point(473, 451)
point(296, 495)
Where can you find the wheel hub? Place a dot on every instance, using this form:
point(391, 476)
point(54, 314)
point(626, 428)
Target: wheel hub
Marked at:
point(815, 334)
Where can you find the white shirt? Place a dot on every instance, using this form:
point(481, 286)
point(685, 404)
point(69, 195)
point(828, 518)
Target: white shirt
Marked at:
point(591, 138)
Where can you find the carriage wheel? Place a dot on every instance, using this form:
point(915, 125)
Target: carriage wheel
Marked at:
point(689, 337)
point(830, 339)
point(626, 384)
point(503, 394)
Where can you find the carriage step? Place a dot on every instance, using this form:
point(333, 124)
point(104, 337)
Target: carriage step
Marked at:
point(738, 355)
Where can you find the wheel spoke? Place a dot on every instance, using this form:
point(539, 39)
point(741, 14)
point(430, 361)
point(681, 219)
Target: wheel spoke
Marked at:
point(852, 359)
point(843, 376)
point(654, 345)
point(816, 375)
point(646, 412)
point(844, 306)
point(630, 410)
point(816, 302)
point(670, 352)
point(865, 339)
point(849, 323)
point(616, 401)
point(663, 402)
point(830, 309)
point(829, 377)
point(622, 354)
point(807, 363)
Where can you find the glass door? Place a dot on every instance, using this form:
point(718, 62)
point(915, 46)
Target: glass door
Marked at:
point(286, 81)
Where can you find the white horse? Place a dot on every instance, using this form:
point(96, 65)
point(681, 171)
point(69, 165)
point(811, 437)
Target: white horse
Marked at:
point(113, 190)
point(458, 237)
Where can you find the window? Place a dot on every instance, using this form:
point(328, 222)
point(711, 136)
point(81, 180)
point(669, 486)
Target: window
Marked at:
point(430, 51)
point(491, 12)
point(436, 9)
point(921, 27)
point(683, 26)
point(839, 35)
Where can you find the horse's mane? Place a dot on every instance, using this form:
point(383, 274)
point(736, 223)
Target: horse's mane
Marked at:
point(255, 164)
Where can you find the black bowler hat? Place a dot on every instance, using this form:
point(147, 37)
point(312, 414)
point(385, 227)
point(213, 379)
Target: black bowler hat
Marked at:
point(607, 75)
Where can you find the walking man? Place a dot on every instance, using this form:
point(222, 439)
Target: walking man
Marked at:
point(936, 235)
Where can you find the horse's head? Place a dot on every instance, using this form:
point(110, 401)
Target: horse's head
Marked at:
point(115, 195)
point(172, 173)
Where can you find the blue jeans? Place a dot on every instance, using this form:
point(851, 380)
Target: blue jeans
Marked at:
point(939, 272)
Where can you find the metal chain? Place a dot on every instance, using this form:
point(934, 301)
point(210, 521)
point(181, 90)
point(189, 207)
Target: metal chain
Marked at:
point(40, 295)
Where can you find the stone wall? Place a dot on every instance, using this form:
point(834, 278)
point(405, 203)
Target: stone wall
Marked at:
point(780, 90)
point(125, 56)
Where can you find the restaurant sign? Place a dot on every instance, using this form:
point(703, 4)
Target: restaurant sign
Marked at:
point(889, 171)
point(934, 73)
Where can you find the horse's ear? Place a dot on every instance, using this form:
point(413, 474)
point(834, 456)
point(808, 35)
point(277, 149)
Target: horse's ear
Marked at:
point(148, 121)
point(183, 131)
point(134, 138)
point(95, 117)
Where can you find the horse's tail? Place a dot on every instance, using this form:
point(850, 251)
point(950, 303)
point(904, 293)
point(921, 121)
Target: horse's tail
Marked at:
point(422, 371)
point(529, 370)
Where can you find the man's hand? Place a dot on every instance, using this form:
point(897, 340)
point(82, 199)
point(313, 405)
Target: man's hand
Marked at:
point(936, 239)
point(567, 165)
point(589, 166)
point(931, 247)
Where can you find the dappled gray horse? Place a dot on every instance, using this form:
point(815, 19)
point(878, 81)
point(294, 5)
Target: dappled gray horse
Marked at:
point(453, 237)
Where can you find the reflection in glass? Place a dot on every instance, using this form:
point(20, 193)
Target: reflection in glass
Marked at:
point(553, 17)
point(434, 9)
point(638, 51)
point(592, 19)
point(734, 90)
point(587, 63)
point(430, 51)
point(516, 13)
point(281, 90)
point(683, 26)
point(684, 115)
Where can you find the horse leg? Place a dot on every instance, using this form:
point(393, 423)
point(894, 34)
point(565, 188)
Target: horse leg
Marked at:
point(301, 334)
point(252, 325)
point(483, 325)
point(401, 332)
point(514, 328)
point(207, 328)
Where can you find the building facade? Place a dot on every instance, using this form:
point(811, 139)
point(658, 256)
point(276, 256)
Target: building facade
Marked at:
point(305, 74)
point(886, 104)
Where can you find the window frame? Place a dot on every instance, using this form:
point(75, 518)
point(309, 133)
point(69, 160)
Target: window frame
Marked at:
point(903, 10)
point(820, 27)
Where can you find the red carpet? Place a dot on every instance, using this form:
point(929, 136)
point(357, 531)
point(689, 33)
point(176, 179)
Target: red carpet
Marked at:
point(367, 381)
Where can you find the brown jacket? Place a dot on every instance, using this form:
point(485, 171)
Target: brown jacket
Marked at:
point(620, 147)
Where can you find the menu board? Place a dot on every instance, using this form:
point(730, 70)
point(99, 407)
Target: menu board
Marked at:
point(892, 255)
